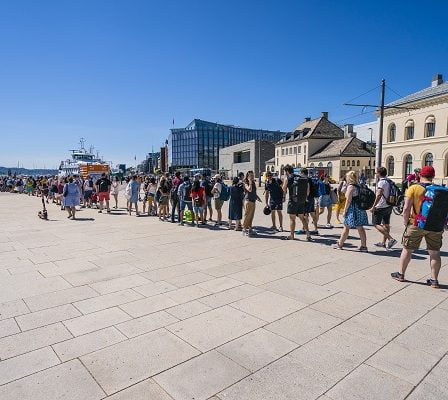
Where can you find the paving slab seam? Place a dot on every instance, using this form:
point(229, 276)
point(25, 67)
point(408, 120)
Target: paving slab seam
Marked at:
point(79, 359)
point(391, 340)
point(421, 380)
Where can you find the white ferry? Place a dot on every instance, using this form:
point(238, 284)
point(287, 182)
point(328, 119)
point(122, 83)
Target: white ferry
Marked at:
point(83, 162)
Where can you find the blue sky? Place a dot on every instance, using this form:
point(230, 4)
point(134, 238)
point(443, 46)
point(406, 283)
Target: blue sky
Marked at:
point(117, 72)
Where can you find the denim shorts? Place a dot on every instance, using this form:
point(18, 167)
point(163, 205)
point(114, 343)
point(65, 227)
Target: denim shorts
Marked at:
point(184, 204)
point(198, 210)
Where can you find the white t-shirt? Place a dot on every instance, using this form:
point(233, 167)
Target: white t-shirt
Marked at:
point(217, 190)
point(385, 185)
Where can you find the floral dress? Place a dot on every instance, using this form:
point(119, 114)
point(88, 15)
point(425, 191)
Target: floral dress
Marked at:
point(355, 217)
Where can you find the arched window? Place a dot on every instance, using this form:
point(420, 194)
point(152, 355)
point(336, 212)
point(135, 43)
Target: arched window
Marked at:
point(390, 166)
point(343, 163)
point(407, 165)
point(353, 163)
point(312, 165)
point(330, 168)
point(429, 159)
point(430, 126)
point(320, 165)
point(272, 169)
point(392, 132)
point(299, 165)
point(409, 130)
point(358, 163)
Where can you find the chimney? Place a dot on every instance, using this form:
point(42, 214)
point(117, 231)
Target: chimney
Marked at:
point(324, 114)
point(307, 119)
point(348, 131)
point(437, 80)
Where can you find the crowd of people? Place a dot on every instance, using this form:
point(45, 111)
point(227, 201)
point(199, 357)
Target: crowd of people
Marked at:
point(199, 200)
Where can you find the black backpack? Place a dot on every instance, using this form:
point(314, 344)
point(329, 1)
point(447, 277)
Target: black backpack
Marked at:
point(299, 188)
point(187, 196)
point(394, 193)
point(365, 198)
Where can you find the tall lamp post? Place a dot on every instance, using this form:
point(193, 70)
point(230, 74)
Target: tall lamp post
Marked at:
point(370, 159)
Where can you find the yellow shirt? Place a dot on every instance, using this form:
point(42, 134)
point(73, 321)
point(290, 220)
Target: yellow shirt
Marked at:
point(415, 192)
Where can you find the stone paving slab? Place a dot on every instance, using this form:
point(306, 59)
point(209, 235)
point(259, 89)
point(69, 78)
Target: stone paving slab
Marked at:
point(124, 308)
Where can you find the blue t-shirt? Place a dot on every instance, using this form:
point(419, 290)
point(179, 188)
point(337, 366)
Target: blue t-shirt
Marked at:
point(275, 191)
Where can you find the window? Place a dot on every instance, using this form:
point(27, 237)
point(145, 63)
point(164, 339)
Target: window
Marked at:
point(283, 151)
point(407, 165)
point(241, 157)
point(429, 159)
point(293, 165)
point(409, 130)
point(358, 163)
point(290, 150)
point(320, 165)
point(353, 163)
point(343, 163)
point(430, 126)
point(312, 165)
point(299, 149)
point(392, 132)
point(330, 168)
point(390, 165)
point(278, 152)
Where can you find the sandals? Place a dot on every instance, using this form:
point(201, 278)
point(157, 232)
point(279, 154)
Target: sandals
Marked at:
point(398, 276)
point(337, 246)
point(434, 283)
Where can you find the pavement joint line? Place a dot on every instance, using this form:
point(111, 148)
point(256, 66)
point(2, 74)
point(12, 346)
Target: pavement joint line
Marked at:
point(424, 377)
point(88, 371)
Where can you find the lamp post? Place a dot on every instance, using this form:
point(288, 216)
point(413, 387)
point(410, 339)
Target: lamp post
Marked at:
point(370, 158)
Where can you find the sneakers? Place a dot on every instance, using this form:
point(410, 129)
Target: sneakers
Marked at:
point(392, 243)
point(379, 244)
point(329, 226)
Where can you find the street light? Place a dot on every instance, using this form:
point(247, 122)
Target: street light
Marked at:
point(370, 158)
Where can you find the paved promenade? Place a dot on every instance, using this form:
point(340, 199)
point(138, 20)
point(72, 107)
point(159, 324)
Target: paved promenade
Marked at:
point(126, 308)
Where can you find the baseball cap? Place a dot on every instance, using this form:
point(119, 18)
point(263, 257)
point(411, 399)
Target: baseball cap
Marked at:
point(428, 172)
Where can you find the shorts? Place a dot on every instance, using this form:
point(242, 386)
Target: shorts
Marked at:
point(218, 204)
point(296, 208)
point(164, 200)
point(309, 206)
point(198, 210)
point(184, 204)
point(412, 238)
point(381, 216)
point(277, 206)
point(103, 196)
point(208, 202)
point(325, 201)
point(87, 194)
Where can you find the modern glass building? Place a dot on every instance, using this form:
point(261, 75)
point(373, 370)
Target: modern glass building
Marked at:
point(197, 145)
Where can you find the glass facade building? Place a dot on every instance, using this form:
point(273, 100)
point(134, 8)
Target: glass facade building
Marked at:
point(198, 144)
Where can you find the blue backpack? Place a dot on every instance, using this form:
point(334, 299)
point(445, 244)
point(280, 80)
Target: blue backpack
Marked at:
point(225, 192)
point(434, 210)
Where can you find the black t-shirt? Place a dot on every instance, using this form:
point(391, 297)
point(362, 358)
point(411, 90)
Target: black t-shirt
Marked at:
point(103, 184)
point(275, 190)
point(252, 195)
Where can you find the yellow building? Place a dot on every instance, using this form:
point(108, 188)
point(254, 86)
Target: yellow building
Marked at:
point(417, 136)
point(320, 143)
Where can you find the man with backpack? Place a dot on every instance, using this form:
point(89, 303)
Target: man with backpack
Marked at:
point(208, 187)
point(185, 199)
point(387, 195)
point(174, 197)
point(273, 195)
point(299, 190)
point(424, 215)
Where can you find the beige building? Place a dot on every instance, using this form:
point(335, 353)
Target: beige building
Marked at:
point(418, 135)
point(320, 143)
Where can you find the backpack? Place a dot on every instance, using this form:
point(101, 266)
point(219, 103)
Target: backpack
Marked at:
point(187, 196)
point(208, 188)
point(299, 190)
point(365, 198)
point(394, 193)
point(434, 210)
point(225, 192)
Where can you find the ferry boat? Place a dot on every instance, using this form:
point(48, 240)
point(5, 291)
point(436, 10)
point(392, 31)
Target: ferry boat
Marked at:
point(84, 162)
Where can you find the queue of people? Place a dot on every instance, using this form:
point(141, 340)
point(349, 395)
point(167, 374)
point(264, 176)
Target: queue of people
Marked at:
point(196, 200)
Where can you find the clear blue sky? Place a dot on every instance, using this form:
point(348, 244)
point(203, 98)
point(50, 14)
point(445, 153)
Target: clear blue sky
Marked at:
point(118, 71)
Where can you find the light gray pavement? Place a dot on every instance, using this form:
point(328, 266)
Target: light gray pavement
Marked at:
point(126, 308)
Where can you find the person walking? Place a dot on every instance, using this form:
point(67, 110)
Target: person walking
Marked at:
point(236, 204)
point(354, 216)
point(88, 190)
point(298, 189)
point(102, 187)
point(133, 191)
point(413, 235)
point(250, 188)
point(273, 195)
point(208, 186)
point(342, 188)
point(114, 190)
point(71, 197)
point(381, 210)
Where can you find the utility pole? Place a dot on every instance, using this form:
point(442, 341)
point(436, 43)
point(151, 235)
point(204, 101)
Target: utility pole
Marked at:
point(380, 136)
